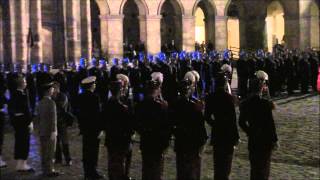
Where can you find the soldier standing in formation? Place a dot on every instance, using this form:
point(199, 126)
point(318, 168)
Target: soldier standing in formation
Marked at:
point(155, 131)
point(119, 128)
point(90, 124)
point(21, 120)
point(260, 130)
point(189, 131)
point(225, 134)
point(47, 117)
point(63, 122)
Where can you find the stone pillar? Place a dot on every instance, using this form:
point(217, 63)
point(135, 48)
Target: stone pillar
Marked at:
point(86, 36)
point(19, 25)
point(255, 32)
point(210, 29)
point(188, 34)
point(143, 28)
point(36, 27)
point(305, 30)
point(1, 37)
point(104, 33)
point(115, 37)
point(221, 33)
point(291, 31)
point(153, 34)
point(72, 16)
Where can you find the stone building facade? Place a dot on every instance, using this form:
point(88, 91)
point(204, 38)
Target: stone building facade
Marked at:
point(65, 30)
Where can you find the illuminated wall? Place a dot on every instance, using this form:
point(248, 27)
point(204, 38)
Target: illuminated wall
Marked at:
point(233, 32)
point(200, 26)
point(314, 34)
point(274, 24)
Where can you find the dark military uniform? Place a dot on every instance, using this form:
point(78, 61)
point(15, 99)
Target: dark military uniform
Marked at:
point(155, 130)
point(21, 117)
point(62, 104)
point(90, 128)
point(3, 101)
point(257, 122)
point(314, 65)
point(243, 76)
point(225, 135)
point(190, 136)
point(118, 125)
point(304, 71)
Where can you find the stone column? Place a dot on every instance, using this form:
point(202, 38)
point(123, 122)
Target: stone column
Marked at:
point(143, 28)
point(19, 24)
point(153, 34)
point(305, 30)
point(71, 13)
point(291, 31)
point(255, 32)
point(36, 27)
point(210, 29)
point(115, 36)
point(86, 36)
point(188, 34)
point(221, 33)
point(1, 37)
point(104, 33)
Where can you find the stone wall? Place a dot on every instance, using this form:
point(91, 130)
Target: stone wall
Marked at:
point(62, 29)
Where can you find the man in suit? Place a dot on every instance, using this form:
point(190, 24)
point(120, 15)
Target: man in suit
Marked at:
point(47, 117)
point(21, 120)
point(90, 124)
point(256, 120)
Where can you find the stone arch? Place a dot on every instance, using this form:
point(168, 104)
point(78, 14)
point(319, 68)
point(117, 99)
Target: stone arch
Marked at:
point(177, 8)
point(275, 25)
point(209, 9)
point(99, 27)
point(171, 13)
point(234, 10)
point(103, 6)
point(142, 6)
point(134, 24)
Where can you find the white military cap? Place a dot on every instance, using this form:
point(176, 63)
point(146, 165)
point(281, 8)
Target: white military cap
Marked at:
point(226, 68)
point(54, 71)
point(190, 76)
point(88, 80)
point(157, 76)
point(262, 75)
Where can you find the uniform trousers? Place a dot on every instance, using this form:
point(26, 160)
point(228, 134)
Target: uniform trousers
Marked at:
point(188, 165)
point(22, 139)
point(260, 160)
point(2, 118)
point(62, 143)
point(119, 161)
point(90, 154)
point(222, 158)
point(48, 147)
point(152, 165)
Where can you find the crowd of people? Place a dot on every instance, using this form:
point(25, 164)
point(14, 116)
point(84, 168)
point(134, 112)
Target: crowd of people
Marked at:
point(162, 98)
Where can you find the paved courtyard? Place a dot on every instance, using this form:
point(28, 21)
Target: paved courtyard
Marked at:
point(297, 121)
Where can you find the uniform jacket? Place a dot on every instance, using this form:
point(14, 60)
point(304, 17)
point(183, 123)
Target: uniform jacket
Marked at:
point(257, 122)
point(47, 116)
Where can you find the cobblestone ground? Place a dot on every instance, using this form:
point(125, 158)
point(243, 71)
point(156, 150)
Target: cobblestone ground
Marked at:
point(297, 121)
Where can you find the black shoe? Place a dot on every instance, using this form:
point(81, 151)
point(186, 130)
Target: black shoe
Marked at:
point(68, 163)
point(31, 170)
point(58, 161)
point(53, 174)
point(98, 176)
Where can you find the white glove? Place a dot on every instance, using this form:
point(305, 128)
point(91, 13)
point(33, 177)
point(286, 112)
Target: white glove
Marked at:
point(53, 136)
point(100, 135)
point(31, 127)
